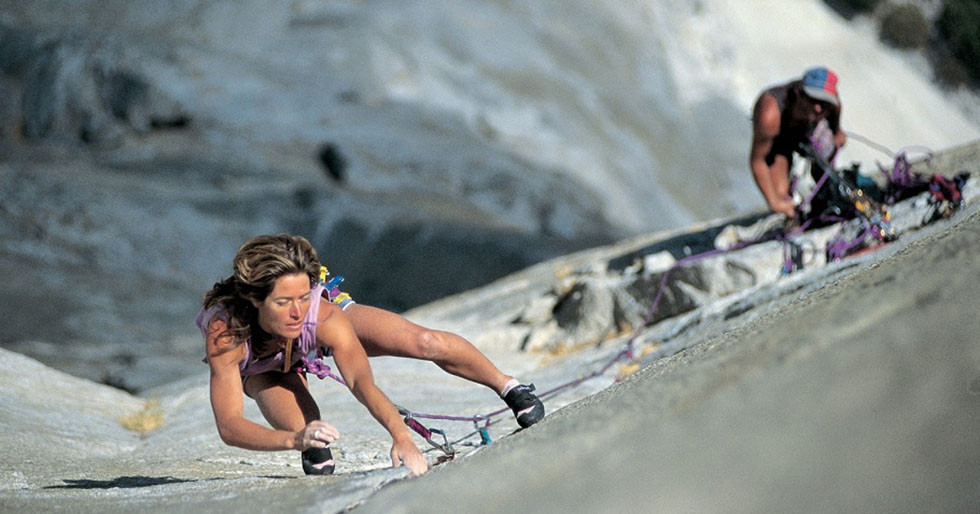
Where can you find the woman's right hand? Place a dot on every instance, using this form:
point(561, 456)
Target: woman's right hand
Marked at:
point(316, 434)
point(404, 452)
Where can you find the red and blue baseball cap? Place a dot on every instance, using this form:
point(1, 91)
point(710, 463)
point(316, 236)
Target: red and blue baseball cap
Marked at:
point(821, 84)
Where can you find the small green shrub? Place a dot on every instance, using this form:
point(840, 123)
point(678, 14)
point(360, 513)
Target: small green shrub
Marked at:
point(904, 26)
point(959, 24)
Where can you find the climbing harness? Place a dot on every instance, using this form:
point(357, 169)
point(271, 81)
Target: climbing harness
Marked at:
point(332, 289)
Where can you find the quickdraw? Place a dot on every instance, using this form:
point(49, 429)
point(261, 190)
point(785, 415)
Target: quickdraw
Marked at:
point(426, 432)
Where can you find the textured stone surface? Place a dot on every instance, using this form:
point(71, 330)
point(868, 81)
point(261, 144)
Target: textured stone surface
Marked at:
point(848, 387)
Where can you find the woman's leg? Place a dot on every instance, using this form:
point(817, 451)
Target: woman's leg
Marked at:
point(286, 403)
point(386, 333)
point(284, 399)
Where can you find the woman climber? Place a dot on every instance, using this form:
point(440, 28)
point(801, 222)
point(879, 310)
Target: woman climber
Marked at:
point(263, 323)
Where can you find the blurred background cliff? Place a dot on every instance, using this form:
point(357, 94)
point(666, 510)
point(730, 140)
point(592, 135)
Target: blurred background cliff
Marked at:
point(424, 147)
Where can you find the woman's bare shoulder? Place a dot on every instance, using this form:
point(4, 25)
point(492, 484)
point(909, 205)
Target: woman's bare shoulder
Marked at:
point(326, 310)
point(220, 341)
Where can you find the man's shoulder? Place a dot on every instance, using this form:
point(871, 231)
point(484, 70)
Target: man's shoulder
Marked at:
point(766, 115)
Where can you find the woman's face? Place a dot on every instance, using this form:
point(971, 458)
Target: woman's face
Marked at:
point(282, 312)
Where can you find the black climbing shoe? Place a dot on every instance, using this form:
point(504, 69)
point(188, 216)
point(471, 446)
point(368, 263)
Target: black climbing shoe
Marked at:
point(318, 461)
point(526, 406)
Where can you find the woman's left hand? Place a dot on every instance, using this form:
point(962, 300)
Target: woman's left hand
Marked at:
point(404, 451)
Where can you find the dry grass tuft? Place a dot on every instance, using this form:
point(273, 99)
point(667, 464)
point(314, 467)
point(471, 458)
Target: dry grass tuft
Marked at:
point(145, 420)
point(632, 367)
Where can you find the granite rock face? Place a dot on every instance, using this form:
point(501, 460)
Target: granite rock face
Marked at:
point(429, 149)
point(831, 388)
point(423, 153)
point(77, 87)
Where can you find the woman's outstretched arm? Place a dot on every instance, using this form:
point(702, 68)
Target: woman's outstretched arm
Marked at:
point(335, 332)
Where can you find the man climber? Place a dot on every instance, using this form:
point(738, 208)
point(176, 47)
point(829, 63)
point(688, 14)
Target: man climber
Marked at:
point(784, 116)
